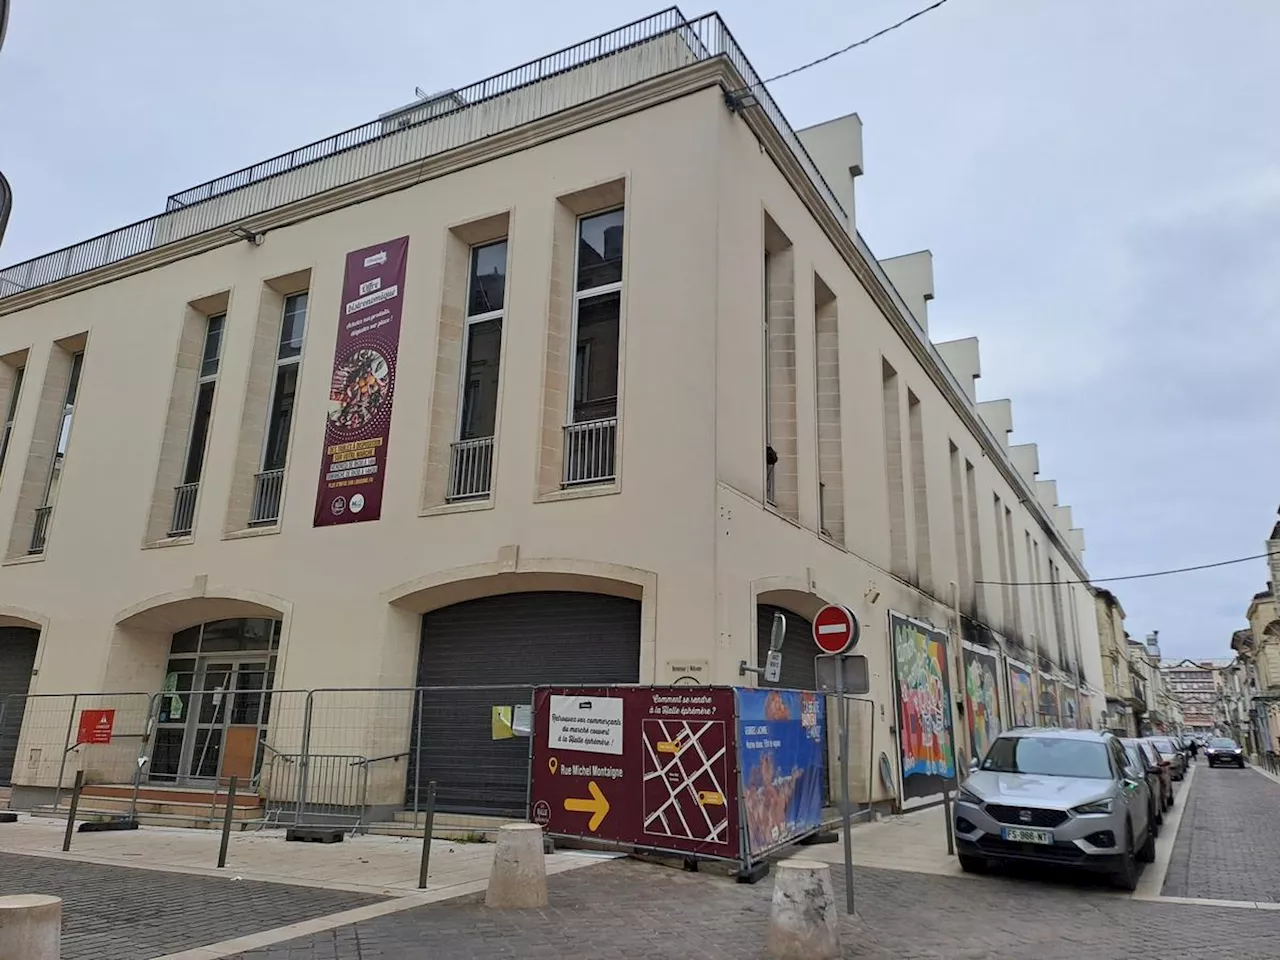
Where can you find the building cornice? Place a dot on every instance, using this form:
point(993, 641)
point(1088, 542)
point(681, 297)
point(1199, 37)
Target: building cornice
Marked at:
point(687, 80)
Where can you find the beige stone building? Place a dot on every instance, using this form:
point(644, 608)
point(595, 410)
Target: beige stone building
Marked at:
point(650, 386)
point(1125, 699)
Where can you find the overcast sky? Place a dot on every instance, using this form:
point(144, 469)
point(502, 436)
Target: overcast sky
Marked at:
point(1099, 182)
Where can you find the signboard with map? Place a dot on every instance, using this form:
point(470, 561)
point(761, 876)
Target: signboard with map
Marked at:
point(650, 767)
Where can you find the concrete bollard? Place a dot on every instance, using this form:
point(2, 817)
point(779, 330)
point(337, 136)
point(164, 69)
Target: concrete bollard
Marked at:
point(519, 875)
point(30, 927)
point(802, 921)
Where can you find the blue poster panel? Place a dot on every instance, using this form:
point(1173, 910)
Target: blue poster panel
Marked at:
point(782, 761)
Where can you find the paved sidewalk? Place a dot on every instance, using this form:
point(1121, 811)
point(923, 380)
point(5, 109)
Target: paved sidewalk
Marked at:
point(110, 913)
point(381, 866)
point(625, 910)
point(915, 842)
point(1228, 847)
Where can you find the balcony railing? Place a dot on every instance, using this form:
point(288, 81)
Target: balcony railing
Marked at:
point(590, 452)
point(470, 468)
point(184, 509)
point(268, 487)
point(40, 532)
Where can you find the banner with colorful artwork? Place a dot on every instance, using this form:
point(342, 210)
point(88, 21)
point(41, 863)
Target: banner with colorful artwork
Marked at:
point(1049, 714)
point(1022, 696)
point(781, 756)
point(981, 700)
point(925, 736)
point(362, 385)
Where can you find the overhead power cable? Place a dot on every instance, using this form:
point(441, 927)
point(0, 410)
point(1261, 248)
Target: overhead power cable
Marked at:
point(1132, 576)
point(859, 43)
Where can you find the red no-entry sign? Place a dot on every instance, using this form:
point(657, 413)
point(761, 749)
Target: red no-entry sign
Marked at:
point(835, 629)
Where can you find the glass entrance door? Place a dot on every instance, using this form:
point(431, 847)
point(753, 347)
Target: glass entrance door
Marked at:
point(216, 703)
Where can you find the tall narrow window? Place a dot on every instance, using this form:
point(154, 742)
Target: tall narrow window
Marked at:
point(40, 531)
point(269, 483)
point(826, 353)
point(770, 455)
point(1015, 592)
point(781, 445)
point(895, 469)
point(1002, 562)
point(959, 515)
point(919, 492)
point(11, 410)
point(591, 434)
point(184, 495)
point(471, 457)
point(975, 541)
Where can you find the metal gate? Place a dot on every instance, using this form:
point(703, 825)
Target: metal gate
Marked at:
point(513, 640)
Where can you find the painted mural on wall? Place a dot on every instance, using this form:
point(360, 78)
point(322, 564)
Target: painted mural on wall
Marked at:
point(1022, 696)
point(982, 700)
point(925, 736)
point(1069, 707)
point(1049, 716)
point(1086, 712)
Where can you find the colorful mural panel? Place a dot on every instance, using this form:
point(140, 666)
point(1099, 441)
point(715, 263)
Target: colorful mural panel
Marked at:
point(982, 700)
point(1049, 714)
point(925, 736)
point(1022, 697)
point(1069, 706)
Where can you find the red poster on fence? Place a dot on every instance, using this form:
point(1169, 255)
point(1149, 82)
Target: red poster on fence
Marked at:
point(653, 767)
point(95, 726)
point(362, 386)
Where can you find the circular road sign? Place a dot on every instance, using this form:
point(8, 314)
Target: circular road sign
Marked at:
point(835, 629)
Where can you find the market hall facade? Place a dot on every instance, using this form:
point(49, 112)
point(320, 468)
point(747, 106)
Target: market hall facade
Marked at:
point(574, 376)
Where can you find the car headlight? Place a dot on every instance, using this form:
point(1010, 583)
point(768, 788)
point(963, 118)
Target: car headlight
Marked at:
point(968, 796)
point(1098, 806)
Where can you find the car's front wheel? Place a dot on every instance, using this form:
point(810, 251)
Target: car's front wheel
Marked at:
point(1125, 875)
point(972, 864)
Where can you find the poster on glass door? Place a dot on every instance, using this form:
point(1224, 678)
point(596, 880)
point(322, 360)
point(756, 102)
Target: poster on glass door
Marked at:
point(361, 389)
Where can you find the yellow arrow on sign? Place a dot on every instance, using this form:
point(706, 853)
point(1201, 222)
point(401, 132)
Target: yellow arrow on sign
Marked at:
point(597, 806)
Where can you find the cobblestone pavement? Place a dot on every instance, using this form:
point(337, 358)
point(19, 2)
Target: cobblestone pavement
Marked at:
point(626, 909)
point(1228, 847)
point(114, 913)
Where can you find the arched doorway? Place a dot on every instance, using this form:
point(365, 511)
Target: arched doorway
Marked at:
point(479, 660)
point(798, 649)
point(18, 645)
point(215, 704)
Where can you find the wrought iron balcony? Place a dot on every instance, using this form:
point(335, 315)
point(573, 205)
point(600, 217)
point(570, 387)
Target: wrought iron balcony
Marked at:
point(470, 469)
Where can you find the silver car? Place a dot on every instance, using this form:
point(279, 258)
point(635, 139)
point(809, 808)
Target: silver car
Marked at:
point(1066, 797)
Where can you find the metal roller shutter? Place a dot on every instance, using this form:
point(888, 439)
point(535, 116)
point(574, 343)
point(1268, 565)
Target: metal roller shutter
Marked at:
point(798, 649)
point(516, 638)
point(17, 659)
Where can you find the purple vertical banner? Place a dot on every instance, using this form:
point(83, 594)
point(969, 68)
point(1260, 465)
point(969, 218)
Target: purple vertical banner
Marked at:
point(358, 426)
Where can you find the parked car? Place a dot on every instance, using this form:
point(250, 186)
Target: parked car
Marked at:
point(1170, 751)
point(1223, 751)
point(1163, 785)
point(1151, 774)
point(1065, 797)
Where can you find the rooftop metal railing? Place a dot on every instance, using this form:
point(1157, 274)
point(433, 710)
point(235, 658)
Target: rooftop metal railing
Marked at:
point(638, 51)
point(613, 61)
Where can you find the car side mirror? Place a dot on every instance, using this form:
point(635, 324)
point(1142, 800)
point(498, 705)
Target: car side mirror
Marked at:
point(974, 765)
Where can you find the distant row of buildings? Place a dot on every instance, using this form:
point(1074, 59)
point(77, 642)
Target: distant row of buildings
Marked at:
point(1253, 698)
point(1238, 697)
